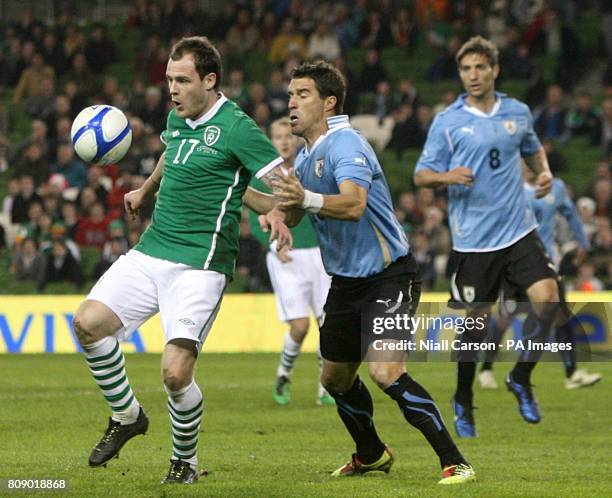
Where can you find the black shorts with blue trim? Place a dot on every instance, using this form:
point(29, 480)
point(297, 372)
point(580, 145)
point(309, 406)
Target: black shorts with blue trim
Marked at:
point(349, 298)
point(477, 277)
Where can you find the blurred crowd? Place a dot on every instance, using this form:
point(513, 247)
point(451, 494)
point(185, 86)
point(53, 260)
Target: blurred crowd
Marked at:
point(56, 205)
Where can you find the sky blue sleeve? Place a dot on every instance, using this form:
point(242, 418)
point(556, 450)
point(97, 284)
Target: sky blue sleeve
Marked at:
point(568, 211)
point(350, 160)
point(530, 143)
point(437, 152)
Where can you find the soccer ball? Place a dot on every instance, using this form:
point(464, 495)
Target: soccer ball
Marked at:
point(101, 134)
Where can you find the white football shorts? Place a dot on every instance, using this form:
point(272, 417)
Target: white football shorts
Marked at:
point(299, 284)
point(138, 286)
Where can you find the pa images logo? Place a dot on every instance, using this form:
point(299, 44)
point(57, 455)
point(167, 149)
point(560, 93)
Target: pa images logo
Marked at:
point(211, 135)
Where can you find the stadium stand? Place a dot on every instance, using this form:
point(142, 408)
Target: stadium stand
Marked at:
point(398, 61)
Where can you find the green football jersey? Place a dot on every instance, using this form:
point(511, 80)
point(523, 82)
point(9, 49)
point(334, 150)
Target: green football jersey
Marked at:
point(304, 236)
point(207, 166)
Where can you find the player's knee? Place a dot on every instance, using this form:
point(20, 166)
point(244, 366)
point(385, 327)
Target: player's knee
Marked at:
point(335, 383)
point(176, 379)
point(84, 326)
point(385, 374)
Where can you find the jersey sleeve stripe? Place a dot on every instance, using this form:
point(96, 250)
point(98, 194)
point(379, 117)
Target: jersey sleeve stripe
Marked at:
point(269, 167)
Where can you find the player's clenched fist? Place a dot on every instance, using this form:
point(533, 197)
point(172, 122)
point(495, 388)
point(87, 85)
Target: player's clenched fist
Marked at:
point(459, 176)
point(543, 184)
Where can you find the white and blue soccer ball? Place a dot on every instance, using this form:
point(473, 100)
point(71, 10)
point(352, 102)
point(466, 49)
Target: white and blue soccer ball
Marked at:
point(101, 134)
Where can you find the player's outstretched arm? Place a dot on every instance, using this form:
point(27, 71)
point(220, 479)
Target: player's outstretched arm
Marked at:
point(258, 201)
point(135, 199)
point(538, 163)
point(433, 179)
point(348, 205)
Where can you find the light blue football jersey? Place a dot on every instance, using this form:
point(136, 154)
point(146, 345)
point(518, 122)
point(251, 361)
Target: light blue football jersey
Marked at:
point(492, 213)
point(546, 209)
point(351, 249)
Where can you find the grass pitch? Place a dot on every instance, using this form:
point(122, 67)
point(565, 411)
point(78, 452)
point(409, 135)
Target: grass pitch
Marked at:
point(51, 415)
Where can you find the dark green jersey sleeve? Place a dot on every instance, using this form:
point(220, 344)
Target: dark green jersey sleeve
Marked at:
point(251, 147)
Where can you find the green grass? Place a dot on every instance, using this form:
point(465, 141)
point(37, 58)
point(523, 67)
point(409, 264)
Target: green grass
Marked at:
point(51, 415)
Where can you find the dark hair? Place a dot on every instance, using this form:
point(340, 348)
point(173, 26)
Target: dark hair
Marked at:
point(328, 80)
point(205, 56)
point(478, 45)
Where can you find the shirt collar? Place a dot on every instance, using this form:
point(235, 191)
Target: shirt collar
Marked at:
point(209, 115)
point(334, 124)
point(461, 103)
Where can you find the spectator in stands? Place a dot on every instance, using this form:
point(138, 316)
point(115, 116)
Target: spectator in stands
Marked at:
point(57, 232)
point(406, 131)
point(51, 205)
point(74, 41)
point(407, 94)
point(586, 280)
point(323, 43)
point(257, 95)
point(287, 42)
point(262, 115)
point(243, 36)
point(586, 211)
point(61, 266)
point(584, 120)
point(96, 181)
point(35, 226)
point(375, 32)
point(15, 64)
point(75, 96)
point(100, 50)
point(81, 74)
point(21, 202)
point(30, 81)
point(236, 90)
point(32, 163)
point(445, 66)
point(606, 124)
point(519, 65)
point(408, 205)
point(403, 30)
point(27, 262)
point(70, 218)
point(61, 135)
point(276, 94)
point(156, 74)
point(146, 162)
point(40, 106)
point(73, 169)
point(372, 72)
point(306, 22)
point(495, 24)
point(92, 230)
point(383, 101)
point(113, 249)
point(52, 52)
point(38, 135)
point(9, 198)
point(153, 112)
point(601, 195)
point(550, 119)
point(346, 27)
